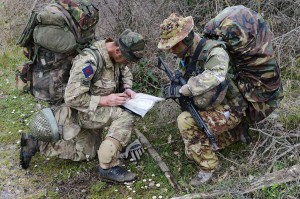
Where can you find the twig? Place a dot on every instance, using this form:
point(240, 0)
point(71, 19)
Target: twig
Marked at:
point(268, 180)
point(233, 162)
point(282, 154)
point(162, 165)
point(33, 5)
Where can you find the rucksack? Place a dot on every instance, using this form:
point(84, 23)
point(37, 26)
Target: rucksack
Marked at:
point(52, 37)
point(254, 68)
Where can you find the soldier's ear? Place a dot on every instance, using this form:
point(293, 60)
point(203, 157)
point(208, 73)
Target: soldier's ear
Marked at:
point(118, 51)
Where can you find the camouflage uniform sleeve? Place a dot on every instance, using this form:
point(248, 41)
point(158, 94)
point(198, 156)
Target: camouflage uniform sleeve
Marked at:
point(77, 93)
point(215, 70)
point(126, 77)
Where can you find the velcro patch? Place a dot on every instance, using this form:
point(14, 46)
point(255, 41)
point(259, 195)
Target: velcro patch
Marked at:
point(88, 71)
point(85, 83)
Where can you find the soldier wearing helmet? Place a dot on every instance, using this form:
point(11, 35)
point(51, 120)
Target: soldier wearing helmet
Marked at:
point(205, 65)
point(99, 83)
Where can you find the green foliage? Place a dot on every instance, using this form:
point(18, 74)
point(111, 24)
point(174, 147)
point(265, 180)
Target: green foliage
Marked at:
point(291, 73)
point(277, 191)
point(145, 79)
point(15, 108)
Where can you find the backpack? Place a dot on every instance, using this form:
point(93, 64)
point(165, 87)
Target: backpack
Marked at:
point(52, 37)
point(255, 71)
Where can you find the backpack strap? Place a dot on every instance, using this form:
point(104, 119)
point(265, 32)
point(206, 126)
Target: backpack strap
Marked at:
point(96, 54)
point(68, 18)
point(192, 65)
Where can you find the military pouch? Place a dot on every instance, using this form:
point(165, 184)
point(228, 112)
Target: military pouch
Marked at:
point(54, 38)
point(170, 91)
point(22, 77)
point(50, 74)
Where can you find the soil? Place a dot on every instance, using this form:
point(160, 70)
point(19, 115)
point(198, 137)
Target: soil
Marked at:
point(19, 183)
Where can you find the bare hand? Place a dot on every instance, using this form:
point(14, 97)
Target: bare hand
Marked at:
point(114, 99)
point(130, 93)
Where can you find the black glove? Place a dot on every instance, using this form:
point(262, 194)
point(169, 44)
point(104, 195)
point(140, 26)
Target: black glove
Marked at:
point(170, 91)
point(135, 150)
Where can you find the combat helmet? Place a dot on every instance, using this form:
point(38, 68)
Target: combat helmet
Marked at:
point(173, 30)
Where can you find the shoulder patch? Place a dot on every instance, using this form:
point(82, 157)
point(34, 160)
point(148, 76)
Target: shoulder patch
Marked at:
point(88, 71)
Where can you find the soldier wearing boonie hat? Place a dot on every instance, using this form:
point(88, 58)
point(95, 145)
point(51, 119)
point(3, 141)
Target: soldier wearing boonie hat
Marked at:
point(93, 97)
point(173, 30)
point(204, 64)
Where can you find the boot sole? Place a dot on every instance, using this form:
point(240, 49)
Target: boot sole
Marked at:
point(115, 182)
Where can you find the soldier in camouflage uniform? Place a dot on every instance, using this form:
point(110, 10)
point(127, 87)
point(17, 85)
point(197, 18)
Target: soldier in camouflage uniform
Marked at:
point(220, 102)
point(99, 83)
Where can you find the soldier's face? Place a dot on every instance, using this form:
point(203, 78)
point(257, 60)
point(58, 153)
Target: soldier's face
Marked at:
point(118, 57)
point(121, 60)
point(179, 49)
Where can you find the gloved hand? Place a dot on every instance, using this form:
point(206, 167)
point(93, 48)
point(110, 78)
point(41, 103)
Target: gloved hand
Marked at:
point(135, 150)
point(170, 91)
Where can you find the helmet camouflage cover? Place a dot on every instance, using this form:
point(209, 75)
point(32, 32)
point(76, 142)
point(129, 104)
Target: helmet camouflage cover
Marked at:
point(173, 30)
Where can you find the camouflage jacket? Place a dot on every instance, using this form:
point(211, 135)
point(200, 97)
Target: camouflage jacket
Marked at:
point(90, 80)
point(249, 42)
point(212, 67)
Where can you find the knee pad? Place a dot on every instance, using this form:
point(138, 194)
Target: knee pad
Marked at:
point(184, 120)
point(108, 151)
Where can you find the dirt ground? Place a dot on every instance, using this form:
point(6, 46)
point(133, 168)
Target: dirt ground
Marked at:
point(15, 182)
point(19, 183)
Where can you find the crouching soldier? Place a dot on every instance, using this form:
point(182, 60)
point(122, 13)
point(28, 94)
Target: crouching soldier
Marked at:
point(99, 83)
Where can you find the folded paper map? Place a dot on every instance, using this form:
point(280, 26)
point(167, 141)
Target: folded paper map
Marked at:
point(141, 103)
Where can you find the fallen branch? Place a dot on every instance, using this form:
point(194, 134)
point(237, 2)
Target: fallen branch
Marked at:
point(162, 165)
point(268, 180)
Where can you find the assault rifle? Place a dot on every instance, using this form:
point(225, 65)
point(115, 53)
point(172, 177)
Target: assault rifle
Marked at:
point(186, 103)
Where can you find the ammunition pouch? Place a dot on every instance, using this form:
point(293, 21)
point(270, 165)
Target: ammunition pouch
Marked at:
point(170, 91)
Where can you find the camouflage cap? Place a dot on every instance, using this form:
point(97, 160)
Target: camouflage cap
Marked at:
point(132, 45)
point(173, 30)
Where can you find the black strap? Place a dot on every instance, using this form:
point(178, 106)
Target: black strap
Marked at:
point(192, 66)
point(220, 88)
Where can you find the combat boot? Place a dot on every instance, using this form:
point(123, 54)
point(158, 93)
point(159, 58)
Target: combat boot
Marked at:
point(201, 178)
point(29, 147)
point(116, 174)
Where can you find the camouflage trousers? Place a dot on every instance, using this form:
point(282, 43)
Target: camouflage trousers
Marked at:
point(221, 121)
point(84, 143)
point(82, 147)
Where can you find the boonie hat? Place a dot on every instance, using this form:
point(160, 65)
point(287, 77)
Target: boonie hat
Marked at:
point(132, 45)
point(173, 30)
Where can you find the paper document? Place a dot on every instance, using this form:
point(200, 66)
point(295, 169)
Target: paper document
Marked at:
point(141, 103)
